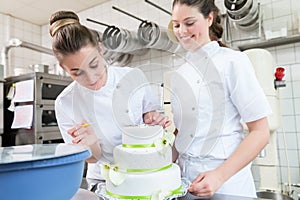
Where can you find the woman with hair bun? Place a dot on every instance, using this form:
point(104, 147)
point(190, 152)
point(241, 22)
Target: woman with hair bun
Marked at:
point(84, 110)
point(217, 156)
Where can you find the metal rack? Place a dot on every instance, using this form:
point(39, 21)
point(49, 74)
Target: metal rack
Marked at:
point(271, 43)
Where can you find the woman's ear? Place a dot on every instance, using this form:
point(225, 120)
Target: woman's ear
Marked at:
point(210, 18)
point(100, 47)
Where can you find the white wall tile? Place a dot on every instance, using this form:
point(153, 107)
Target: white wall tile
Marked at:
point(297, 106)
point(294, 172)
point(297, 117)
point(285, 56)
point(281, 8)
point(291, 141)
point(297, 51)
point(293, 159)
point(295, 6)
point(287, 107)
point(295, 72)
point(267, 11)
point(287, 91)
point(289, 124)
point(296, 90)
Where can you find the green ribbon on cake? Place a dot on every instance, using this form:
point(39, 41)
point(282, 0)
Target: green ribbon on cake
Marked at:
point(149, 170)
point(154, 196)
point(138, 145)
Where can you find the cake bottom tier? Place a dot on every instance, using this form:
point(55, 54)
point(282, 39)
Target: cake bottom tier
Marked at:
point(143, 185)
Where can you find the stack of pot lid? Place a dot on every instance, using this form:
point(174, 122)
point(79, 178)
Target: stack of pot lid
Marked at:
point(122, 40)
point(244, 13)
point(153, 36)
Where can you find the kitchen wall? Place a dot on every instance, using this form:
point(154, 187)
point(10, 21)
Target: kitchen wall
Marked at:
point(282, 12)
point(20, 58)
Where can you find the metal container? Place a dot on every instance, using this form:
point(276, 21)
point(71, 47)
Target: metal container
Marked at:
point(122, 40)
point(272, 195)
point(153, 36)
point(243, 12)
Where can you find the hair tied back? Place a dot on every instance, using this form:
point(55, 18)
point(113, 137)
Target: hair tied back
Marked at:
point(61, 23)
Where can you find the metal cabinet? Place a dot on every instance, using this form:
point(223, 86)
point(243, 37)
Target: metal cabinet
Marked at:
point(44, 128)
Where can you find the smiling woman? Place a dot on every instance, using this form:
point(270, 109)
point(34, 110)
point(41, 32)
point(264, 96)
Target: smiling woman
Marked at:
point(89, 99)
point(216, 157)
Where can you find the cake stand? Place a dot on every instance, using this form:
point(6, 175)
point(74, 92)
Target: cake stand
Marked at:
point(101, 191)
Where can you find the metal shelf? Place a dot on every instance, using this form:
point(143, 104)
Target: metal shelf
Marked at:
point(271, 43)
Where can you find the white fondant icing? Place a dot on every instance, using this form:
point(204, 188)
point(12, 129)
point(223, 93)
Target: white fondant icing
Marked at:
point(142, 134)
point(147, 169)
point(146, 184)
point(141, 158)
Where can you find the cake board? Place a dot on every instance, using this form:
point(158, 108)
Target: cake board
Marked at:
point(101, 191)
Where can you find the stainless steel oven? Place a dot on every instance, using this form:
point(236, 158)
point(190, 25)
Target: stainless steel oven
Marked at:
point(44, 127)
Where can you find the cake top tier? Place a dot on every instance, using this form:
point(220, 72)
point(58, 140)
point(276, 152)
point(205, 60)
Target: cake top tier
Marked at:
point(141, 134)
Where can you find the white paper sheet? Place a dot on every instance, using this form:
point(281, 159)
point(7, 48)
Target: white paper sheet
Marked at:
point(24, 91)
point(23, 116)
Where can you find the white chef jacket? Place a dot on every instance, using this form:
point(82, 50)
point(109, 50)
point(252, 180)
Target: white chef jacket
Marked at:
point(77, 103)
point(227, 92)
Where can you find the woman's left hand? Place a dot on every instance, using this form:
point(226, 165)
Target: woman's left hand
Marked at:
point(155, 118)
point(206, 184)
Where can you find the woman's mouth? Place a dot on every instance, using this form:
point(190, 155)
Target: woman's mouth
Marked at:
point(93, 84)
point(186, 38)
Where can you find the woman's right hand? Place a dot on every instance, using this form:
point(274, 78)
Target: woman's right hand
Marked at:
point(84, 134)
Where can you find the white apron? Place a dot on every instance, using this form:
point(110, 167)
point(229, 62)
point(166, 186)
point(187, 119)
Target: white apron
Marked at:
point(240, 184)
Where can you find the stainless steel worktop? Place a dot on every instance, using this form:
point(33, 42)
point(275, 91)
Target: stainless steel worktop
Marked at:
point(191, 197)
point(217, 197)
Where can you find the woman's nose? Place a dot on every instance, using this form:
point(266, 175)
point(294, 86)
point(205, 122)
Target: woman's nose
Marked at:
point(89, 76)
point(182, 29)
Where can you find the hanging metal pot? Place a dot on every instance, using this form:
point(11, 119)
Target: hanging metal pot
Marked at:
point(122, 40)
point(153, 36)
point(117, 58)
point(245, 13)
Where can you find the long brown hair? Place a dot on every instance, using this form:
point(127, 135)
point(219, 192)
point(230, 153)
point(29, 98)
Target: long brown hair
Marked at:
point(205, 7)
point(69, 36)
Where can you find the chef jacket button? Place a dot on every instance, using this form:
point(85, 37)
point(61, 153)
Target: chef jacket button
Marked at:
point(191, 135)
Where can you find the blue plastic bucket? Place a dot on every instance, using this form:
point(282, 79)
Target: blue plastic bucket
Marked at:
point(48, 176)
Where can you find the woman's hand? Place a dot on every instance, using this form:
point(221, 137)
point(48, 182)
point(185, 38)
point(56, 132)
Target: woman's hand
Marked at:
point(85, 135)
point(155, 118)
point(206, 184)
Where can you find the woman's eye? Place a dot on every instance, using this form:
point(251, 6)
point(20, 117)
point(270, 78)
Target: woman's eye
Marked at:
point(94, 66)
point(190, 23)
point(175, 25)
point(78, 73)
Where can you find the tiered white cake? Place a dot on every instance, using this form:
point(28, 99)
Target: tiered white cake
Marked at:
point(143, 167)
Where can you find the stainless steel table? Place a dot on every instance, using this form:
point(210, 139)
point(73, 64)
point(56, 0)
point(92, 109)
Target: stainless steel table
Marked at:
point(217, 197)
point(83, 194)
